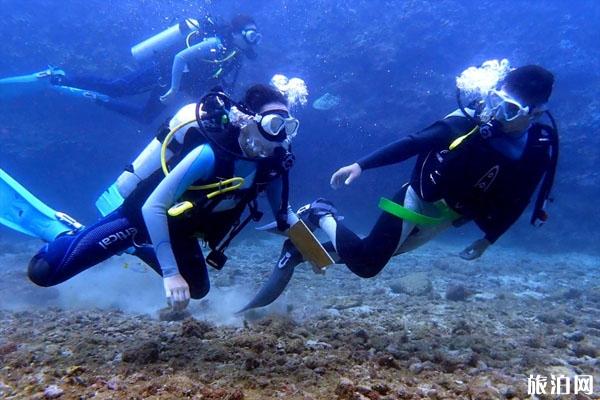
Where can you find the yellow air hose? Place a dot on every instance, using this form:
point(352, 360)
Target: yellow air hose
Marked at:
point(224, 186)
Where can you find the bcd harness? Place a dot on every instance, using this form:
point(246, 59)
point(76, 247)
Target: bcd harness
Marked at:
point(200, 200)
point(484, 131)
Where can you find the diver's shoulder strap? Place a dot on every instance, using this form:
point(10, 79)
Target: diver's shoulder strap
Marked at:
point(539, 214)
point(458, 113)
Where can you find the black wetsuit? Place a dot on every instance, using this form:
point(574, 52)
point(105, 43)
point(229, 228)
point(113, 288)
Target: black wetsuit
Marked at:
point(154, 78)
point(475, 180)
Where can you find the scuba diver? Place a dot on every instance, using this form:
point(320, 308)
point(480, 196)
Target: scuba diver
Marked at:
point(194, 55)
point(194, 180)
point(481, 163)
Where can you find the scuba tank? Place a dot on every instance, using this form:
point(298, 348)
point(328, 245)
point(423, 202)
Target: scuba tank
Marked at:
point(172, 37)
point(146, 163)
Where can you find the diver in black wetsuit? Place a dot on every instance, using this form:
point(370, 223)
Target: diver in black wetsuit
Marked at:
point(465, 171)
point(481, 164)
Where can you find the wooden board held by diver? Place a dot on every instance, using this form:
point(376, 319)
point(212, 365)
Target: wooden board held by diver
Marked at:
point(309, 246)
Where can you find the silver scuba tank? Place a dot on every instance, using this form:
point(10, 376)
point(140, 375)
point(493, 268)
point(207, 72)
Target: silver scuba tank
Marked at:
point(175, 36)
point(145, 164)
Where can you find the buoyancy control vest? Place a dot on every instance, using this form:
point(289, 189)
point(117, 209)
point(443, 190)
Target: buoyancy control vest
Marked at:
point(472, 176)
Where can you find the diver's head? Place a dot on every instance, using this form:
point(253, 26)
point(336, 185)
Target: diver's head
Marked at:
point(521, 99)
point(245, 35)
point(268, 124)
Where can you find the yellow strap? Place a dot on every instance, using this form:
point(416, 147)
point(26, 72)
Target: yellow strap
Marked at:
point(229, 57)
point(180, 208)
point(224, 186)
point(228, 185)
point(460, 139)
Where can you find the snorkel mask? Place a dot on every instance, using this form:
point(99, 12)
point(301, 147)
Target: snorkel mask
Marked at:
point(504, 107)
point(252, 36)
point(492, 103)
point(261, 133)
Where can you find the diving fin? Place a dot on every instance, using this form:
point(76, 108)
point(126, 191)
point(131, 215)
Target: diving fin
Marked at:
point(28, 84)
point(280, 277)
point(89, 95)
point(301, 246)
point(22, 211)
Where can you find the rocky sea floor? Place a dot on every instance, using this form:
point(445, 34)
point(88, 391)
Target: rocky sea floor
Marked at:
point(429, 326)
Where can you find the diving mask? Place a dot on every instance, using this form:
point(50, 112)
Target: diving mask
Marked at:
point(276, 125)
point(252, 36)
point(504, 107)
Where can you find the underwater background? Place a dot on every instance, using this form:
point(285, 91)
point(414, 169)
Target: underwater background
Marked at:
point(528, 303)
point(391, 63)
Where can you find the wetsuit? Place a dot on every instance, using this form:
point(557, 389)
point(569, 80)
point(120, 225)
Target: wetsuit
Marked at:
point(195, 69)
point(489, 181)
point(143, 218)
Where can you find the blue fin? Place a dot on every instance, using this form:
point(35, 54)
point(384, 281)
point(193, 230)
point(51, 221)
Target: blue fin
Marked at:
point(27, 84)
point(22, 211)
point(110, 200)
point(81, 93)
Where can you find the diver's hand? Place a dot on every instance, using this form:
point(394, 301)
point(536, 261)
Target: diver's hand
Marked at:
point(345, 175)
point(167, 97)
point(177, 292)
point(475, 249)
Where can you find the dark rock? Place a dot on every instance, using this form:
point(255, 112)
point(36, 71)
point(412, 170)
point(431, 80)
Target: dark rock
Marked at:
point(192, 328)
point(387, 361)
point(7, 348)
point(571, 294)
point(251, 363)
point(458, 293)
point(461, 328)
point(549, 318)
point(582, 349)
point(559, 342)
point(217, 354)
point(535, 341)
point(381, 388)
point(168, 314)
point(145, 353)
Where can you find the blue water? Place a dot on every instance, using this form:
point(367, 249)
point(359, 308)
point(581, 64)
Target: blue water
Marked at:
point(391, 63)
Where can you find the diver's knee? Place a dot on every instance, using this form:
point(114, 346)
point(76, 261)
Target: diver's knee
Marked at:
point(39, 271)
point(366, 270)
point(198, 293)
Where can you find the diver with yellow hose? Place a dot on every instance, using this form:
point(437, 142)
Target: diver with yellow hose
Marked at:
point(193, 181)
point(481, 163)
point(191, 56)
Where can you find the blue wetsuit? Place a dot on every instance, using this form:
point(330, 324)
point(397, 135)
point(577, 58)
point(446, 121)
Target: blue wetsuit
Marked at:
point(143, 219)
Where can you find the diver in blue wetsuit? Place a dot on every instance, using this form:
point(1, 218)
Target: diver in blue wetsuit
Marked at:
point(194, 180)
point(480, 164)
point(191, 57)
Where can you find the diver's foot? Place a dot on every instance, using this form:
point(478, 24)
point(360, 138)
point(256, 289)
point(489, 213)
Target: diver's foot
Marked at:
point(54, 74)
point(312, 213)
point(167, 97)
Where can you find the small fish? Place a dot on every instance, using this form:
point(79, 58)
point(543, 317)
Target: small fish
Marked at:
point(326, 102)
